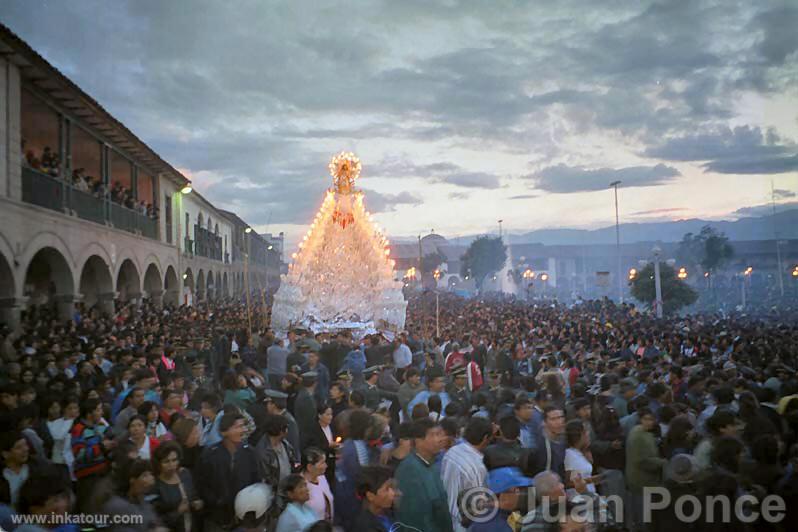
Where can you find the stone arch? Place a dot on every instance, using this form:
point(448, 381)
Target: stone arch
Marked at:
point(199, 219)
point(171, 287)
point(153, 284)
point(225, 286)
point(200, 285)
point(45, 239)
point(216, 229)
point(96, 284)
point(126, 255)
point(96, 249)
point(218, 286)
point(128, 281)
point(49, 281)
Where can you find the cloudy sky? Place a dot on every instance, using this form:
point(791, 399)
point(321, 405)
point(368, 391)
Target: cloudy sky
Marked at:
point(461, 112)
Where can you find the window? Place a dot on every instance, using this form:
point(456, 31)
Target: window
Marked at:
point(167, 203)
point(40, 143)
point(188, 222)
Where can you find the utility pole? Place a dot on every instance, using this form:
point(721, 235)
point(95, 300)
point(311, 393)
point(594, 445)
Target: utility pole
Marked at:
point(614, 185)
point(420, 269)
point(776, 237)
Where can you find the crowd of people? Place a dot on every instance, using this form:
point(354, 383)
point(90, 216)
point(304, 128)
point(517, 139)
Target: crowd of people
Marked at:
point(185, 419)
point(49, 162)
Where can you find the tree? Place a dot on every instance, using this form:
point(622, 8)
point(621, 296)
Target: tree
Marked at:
point(485, 255)
point(675, 292)
point(431, 261)
point(709, 249)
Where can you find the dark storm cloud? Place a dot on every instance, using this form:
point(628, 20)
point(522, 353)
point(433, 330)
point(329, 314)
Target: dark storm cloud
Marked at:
point(780, 193)
point(766, 209)
point(442, 172)
point(378, 202)
point(251, 89)
point(742, 150)
point(566, 179)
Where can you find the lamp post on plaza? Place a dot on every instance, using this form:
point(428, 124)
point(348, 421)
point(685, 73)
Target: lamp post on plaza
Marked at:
point(543, 278)
point(614, 185)
point(247, 232)
point(437, 275)
point(746, 275)
point(657, 282)
point(528, 276)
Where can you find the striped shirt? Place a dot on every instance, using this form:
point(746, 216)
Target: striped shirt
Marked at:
point(462, 468)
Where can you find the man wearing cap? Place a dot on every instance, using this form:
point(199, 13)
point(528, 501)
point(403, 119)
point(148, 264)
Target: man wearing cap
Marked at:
point(322, 375)
point(506, 484)
point(305, 405)
point(372, 393)
point(458, 389)
point(277, 405)
point(251, 506)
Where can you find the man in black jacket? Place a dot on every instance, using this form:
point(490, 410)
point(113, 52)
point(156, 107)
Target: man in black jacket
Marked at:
point(507, 450)
point(305, 405)
point(225, 469)
point(277, 457)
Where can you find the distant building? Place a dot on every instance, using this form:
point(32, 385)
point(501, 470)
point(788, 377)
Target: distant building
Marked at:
point(591, 270)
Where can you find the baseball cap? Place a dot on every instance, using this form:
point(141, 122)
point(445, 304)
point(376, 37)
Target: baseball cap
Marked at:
point(253, 502)
point(502, 479)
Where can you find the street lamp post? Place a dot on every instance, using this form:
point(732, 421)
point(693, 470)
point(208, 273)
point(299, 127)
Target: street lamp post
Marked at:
point(614, 185)
point(247, 232)
point(657, 282)
point(437, 275)
point(543, 278)
point(746, 275)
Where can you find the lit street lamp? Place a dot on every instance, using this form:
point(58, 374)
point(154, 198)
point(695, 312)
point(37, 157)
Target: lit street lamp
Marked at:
point(528, 275)
point(632, 274)
point(682, 273)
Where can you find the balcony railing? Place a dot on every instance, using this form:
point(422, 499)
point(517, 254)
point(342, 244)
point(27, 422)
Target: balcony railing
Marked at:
point(51, 193)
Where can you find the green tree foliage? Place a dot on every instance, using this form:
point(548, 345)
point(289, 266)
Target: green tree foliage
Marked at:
point(709, 250)
point(431, 261)
point(485, 255)
point(675, 292)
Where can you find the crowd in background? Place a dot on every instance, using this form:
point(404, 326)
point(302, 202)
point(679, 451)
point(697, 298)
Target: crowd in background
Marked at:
point(49, 162)
point(185, 418)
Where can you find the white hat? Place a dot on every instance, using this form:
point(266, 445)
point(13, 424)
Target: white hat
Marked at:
point(255, 498)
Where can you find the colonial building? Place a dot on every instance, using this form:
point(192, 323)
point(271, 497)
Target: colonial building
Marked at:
point(90, 214)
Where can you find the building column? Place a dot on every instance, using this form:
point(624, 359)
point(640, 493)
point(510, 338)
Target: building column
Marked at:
point(105, 302)
point(173, 295)
point(65, 303)
point(11, 311)
point(156, 297)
